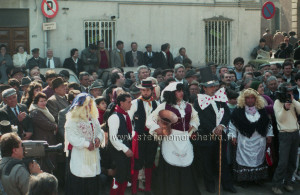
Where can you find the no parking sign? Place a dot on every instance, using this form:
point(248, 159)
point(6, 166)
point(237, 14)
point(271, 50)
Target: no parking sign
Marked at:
point(49, 8)
point(268, 10)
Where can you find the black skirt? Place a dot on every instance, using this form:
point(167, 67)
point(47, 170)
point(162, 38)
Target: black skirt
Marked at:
point(173, 180)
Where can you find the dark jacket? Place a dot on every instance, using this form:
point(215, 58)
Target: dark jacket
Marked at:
point(32, 62)
point(148, 60)
point(43, 128)
point(297, 53)
point(7, 114)
point(56, 61)
point(55, 104)
point(70, 64)
point(160, 61)
point(129, 58)
point(207, 118)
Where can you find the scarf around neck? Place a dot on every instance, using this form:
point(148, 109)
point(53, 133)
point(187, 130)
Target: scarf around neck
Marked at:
point(128, 121)
point(44, 111)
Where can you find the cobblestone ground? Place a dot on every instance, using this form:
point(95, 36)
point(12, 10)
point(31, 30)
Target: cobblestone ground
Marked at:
point(252, 189)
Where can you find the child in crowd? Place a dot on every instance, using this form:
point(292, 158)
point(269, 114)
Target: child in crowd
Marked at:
point(101, 105)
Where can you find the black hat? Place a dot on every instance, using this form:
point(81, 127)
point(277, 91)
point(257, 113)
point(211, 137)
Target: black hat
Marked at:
point(191, 73)
point(211, 64)
point(146, 83)
point(207, 77)
point(134, 90)
point(35, 50)
point(16, 70)
point(57, 82)
point(25, 81)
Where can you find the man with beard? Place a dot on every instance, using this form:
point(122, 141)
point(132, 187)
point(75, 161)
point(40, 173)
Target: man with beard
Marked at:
point(144, 156)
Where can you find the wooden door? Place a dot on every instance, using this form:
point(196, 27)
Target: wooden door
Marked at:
point(14, 37)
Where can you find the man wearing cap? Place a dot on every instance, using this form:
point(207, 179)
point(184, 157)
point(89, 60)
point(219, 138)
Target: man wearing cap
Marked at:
point(89, 57)
point(17, 73)
point(179, 73)
point(149, 55)
point(50, 61)
point(58, 101)
point(25, 82)
point(134, 58)
point(191, 76)
point(96, 89)
point(134, 92)
point(214, 116)
point(16, 113)
point(36, 60)
point(144, 157)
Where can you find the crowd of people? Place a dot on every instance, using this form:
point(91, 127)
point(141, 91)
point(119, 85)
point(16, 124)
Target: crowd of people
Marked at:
point(158, 131)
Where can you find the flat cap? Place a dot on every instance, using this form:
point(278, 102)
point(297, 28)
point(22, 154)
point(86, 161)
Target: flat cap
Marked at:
point(191, 73)
point(96, 85)
point(8, 92)
point(25, 81)
point(35, 50)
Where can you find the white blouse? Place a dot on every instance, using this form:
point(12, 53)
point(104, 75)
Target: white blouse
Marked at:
point(250, 151)
point(84, 163)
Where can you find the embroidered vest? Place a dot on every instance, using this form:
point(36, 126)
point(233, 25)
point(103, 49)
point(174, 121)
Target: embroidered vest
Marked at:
point(182, 123)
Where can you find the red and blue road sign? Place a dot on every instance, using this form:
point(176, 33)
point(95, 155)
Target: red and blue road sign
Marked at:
point(268, 10)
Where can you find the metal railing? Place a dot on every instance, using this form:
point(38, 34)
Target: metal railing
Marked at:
point(100, 30)
point(217, 40)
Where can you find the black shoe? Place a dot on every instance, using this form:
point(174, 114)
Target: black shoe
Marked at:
point(210, 188)
point(230, 189)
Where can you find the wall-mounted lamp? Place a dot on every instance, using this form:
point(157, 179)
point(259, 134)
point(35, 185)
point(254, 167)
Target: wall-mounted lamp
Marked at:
point(113, 17)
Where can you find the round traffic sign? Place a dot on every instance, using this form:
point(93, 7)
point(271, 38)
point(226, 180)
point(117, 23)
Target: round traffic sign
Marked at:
point(268, 10)
point(49, 8)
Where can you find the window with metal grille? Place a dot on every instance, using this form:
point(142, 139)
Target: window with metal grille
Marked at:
point(100, 30)
point(217, 40)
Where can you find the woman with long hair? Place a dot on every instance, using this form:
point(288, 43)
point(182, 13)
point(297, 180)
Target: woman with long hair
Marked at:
point(33, 89)
point(175, 176)
point(83, 135)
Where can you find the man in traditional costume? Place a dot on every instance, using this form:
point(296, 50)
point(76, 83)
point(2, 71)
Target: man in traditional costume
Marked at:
point(214, 116)
point(120, 131)
point(144, 154)
point(250, 129)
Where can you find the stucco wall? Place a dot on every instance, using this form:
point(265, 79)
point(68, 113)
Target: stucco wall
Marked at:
point(155, 24)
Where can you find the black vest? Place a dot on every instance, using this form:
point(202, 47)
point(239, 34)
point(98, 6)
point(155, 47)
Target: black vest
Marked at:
point(123, 133)
point(139, 117)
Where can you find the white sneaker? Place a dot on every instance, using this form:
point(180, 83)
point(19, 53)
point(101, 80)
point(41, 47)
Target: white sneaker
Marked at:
point(128, 184)
point(288, 188)
point(276, 190)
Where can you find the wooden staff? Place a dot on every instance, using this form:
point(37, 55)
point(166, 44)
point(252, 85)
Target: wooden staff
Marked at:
point(220, 162)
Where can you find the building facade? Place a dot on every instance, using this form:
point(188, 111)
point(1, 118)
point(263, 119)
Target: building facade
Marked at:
point(216, 30)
